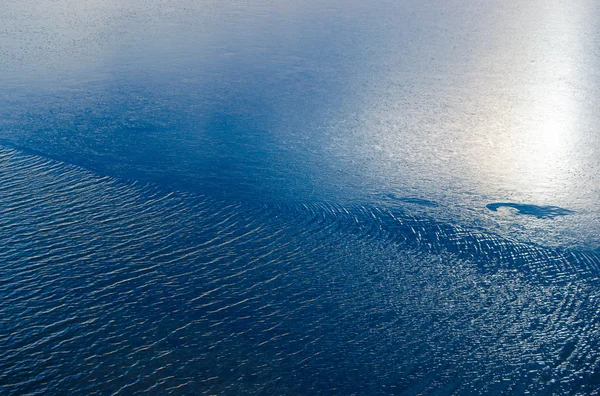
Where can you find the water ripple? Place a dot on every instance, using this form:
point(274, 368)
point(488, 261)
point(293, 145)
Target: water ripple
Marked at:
point(117, 287)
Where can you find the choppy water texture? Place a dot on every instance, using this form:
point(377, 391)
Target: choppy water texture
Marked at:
point(109, 286)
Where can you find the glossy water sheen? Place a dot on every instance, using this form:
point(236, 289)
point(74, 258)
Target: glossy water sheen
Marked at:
point(383, 197)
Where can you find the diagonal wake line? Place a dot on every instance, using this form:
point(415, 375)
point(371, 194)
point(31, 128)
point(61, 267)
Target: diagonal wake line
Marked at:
point(382, 225)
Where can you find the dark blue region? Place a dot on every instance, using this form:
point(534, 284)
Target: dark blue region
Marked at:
point(540, 212)
point(411, 200)
point(110, 286)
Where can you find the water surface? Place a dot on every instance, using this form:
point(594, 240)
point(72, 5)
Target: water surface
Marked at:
point(377, 197)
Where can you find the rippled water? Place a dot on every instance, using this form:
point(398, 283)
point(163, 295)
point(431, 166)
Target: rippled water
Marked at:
point(110, 286)
point(348, 197)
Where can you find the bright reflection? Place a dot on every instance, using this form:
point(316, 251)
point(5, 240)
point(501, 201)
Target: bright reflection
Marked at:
point(544, 156)
point(549, 118)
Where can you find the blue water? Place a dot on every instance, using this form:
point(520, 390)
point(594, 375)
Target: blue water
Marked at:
point(319, 198)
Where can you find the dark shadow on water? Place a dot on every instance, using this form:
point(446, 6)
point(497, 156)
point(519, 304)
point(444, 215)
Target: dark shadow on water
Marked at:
point(541, 212)
point(416, 201)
